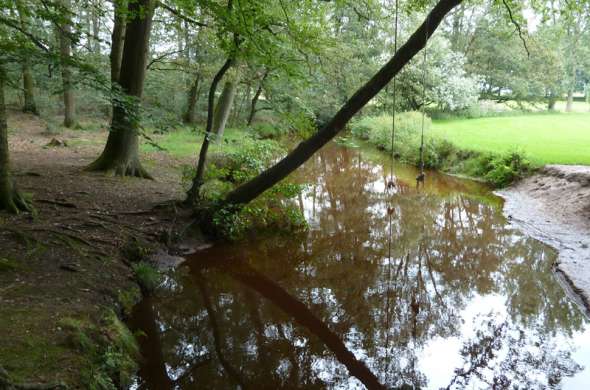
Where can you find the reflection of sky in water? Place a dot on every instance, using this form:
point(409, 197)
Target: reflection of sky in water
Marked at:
point(462, 300)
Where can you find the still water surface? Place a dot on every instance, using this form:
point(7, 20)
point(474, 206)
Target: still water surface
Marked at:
point(440, 293)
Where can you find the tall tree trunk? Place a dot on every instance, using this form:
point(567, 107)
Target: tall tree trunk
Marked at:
point(28, 83)
point(551, 100)
point(117, 40)
point(95, 28)
point(116, 53)
point(255, 99)
point(570, 100)
point(570, 91)
point(65, 50)
point(121, 155)
point(223, 108)
point(253, 188)
point(29, 88)
point(193, 97)
point(10, 199)
point(193, 193)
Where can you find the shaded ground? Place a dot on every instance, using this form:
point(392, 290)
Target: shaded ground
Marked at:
point(67, 262)
point(554, 207)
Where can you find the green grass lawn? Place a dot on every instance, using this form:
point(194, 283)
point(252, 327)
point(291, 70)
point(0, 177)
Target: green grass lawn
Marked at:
point(546, 138)
point(185, 143)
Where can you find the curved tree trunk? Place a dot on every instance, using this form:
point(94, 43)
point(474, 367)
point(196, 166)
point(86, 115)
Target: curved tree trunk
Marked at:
point(65, 51)
point(10, 199)
point(254, 101)
point(193, 193)
point(253, 188)
point(121, 153)
point(223, 108)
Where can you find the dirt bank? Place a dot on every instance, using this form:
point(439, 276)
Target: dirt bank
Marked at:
point(554, 207)
point(68, 264)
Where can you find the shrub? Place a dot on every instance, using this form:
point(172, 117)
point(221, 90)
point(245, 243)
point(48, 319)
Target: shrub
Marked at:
point(147, 277)
point(268, 131)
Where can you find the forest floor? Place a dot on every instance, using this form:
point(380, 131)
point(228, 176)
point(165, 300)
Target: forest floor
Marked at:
point(67, 263)
point(553, 206)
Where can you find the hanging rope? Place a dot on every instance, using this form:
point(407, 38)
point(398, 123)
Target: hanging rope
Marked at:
point(395, 32)
point(421, 176)
point(390, 209)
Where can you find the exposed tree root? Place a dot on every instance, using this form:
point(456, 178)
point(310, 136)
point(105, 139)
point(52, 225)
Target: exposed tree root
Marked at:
point(7, 384)
point(110, 167)
point(14, 202)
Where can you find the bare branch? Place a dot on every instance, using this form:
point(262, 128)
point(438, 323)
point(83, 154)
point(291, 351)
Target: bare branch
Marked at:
point(518, 28)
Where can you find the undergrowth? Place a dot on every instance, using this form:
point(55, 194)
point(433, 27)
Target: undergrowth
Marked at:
point(227, 169)
point(498, 169)
point(109, 349)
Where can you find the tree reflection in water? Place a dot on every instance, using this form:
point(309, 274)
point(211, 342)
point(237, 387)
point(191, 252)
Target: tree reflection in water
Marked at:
point(463, 300)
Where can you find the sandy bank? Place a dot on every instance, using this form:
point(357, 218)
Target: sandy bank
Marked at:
point(553, 206)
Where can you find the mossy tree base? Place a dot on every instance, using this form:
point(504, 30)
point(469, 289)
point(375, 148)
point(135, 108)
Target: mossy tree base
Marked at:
point(13, 201)
point(119, 168)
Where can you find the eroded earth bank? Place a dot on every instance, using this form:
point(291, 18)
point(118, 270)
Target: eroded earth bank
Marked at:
point(553, 206)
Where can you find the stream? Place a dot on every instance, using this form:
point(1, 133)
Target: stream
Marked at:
point(440, 292)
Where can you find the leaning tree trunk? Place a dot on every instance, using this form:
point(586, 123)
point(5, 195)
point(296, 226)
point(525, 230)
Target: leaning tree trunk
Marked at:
point(253, 188)
point(193, 193)
point(65, 51)
point(223, 108)
point(121, 153)
point(10, 199)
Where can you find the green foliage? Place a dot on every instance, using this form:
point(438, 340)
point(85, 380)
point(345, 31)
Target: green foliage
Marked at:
point(268, 131)
point(147, 276)
point(499, 170)
point(408, 129)
point(271, 213)
point(108, 348)
point(7, 264)
point(128, 299)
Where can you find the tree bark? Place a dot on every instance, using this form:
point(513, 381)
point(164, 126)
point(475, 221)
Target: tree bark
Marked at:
point(253, 188)
point(121, 153)
point(28, 83)
point(116, 53)
point(570, 100)
point(223, 108)
point(255, 99)
point(65, 50)
point(10, 198)
point(193, 97)
point(117, 40)
point(94, 18)
point(193, 193)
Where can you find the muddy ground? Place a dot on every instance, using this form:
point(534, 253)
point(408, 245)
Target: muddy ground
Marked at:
point(68, 261)
point(554, 207)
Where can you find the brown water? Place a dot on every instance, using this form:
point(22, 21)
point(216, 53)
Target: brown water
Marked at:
point(447, 295)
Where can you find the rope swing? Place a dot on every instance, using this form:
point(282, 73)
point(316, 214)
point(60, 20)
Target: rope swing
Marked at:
point(421, 176)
